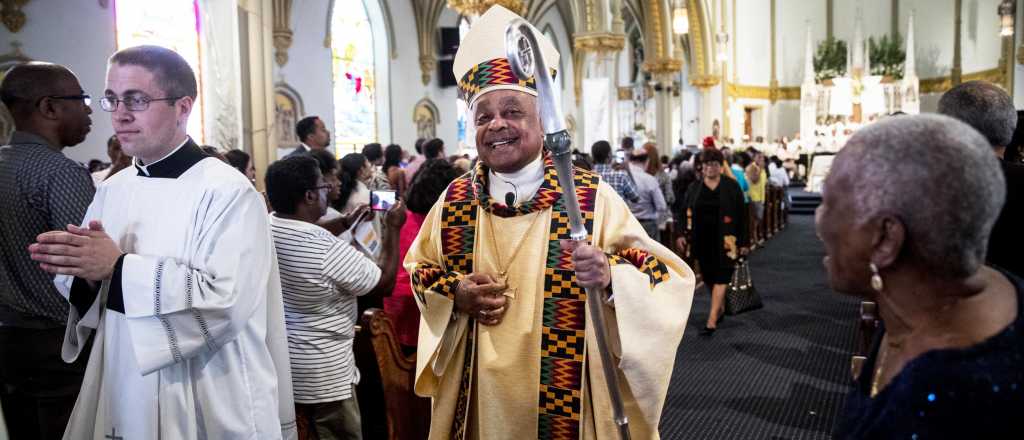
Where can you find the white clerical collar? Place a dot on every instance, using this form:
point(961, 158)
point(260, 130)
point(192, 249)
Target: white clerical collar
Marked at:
point(522, 183)
point(145, 167)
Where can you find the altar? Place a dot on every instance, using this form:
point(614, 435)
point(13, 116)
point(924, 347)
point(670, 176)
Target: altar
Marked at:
point(833, 109)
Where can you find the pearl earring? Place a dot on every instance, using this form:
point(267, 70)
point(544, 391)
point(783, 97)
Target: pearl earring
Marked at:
point(876, 279)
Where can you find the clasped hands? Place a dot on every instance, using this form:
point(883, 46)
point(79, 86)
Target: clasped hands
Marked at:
point(481, 295)
point(87, 253)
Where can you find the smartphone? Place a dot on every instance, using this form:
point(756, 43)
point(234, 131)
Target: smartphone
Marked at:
point(620, 156)
point(382, 200)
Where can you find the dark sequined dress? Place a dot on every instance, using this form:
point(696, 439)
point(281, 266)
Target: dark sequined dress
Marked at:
point(971, 393)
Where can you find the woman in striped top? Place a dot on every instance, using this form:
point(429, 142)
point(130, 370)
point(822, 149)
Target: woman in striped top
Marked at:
point(321, 277)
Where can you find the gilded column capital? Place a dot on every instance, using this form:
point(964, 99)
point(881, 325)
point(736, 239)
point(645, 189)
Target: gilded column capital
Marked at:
point(11, 14)
point(599, 42)
point(478, 7)
point(282, 32)
point(663, 65)
point(427, 12)
point(427, 63)
point(282, 42)
point(704, 81)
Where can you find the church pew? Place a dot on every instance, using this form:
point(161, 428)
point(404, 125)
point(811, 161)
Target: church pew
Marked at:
point(778, 194)
point(779, 209)
point(763, 231)
point(407, 415)
point(780, 212)
point(780, 206)
point(751, 233)
point(783, 213)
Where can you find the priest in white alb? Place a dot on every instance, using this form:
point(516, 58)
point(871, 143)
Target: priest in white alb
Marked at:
point(506, 342)
point(173, 274)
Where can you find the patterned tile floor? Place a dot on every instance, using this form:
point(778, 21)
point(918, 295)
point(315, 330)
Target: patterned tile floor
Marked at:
point(777, 373)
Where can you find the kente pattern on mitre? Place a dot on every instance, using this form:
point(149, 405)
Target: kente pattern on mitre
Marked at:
point(491, 73)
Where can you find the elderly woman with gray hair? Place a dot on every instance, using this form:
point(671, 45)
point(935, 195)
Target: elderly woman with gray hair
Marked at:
point(906, 213)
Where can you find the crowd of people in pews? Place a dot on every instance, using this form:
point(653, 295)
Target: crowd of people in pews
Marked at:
point(920, 215)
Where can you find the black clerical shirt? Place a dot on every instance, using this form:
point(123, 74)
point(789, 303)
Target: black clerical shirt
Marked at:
point(171, 167)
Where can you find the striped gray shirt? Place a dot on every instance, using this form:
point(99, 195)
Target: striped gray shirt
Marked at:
point(321, 277)
point(40, 190)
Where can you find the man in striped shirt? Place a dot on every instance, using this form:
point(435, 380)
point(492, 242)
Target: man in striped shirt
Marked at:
point(321, 276)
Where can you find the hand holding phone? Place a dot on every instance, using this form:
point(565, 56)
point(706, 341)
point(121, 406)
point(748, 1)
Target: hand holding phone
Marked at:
point(382, 200)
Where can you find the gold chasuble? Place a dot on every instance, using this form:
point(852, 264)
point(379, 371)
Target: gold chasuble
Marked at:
point(538, 374)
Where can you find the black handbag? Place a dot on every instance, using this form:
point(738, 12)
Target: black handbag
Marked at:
point(740, 295)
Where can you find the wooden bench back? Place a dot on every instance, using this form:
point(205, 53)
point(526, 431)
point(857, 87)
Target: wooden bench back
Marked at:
point(408, 415)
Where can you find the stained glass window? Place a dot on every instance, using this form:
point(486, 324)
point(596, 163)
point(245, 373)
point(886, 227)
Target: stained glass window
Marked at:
point(355, 83)
point(173, 24)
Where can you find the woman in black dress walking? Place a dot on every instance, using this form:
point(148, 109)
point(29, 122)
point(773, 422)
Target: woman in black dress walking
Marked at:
point(716, 225)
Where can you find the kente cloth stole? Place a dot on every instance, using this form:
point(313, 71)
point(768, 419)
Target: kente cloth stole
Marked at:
point(646, 263)
point(458, 232)
point(563, 348)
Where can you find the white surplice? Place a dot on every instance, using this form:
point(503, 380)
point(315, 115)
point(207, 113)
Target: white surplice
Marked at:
point(201, 350)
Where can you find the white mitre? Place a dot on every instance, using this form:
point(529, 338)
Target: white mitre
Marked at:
point(481, 64)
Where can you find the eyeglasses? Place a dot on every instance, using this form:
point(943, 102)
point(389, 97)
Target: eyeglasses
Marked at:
point(86, 99)
point(132, 103)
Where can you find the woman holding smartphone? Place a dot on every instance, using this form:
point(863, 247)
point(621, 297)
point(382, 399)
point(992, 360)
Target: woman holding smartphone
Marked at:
point(353, 171)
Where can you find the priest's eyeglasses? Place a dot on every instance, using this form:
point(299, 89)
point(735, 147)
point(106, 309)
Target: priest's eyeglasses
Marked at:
point(86, 99)
point(132, 103)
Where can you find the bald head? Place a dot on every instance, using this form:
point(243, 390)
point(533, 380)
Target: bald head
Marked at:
point(25, 84)
point(984, 106)
point(936, 175)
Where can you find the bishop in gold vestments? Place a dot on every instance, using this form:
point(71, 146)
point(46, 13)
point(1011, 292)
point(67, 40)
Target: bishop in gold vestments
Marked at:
point(516, 358)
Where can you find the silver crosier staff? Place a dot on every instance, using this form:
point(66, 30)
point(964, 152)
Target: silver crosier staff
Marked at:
point(526, 60)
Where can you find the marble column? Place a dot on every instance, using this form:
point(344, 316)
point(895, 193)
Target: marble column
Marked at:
point(706, 116)
point(257, 75)
point(828, 19)
point(956, 72)
point(598, 94)
point(894, 23)
point(664, 73)
point(665, 105)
